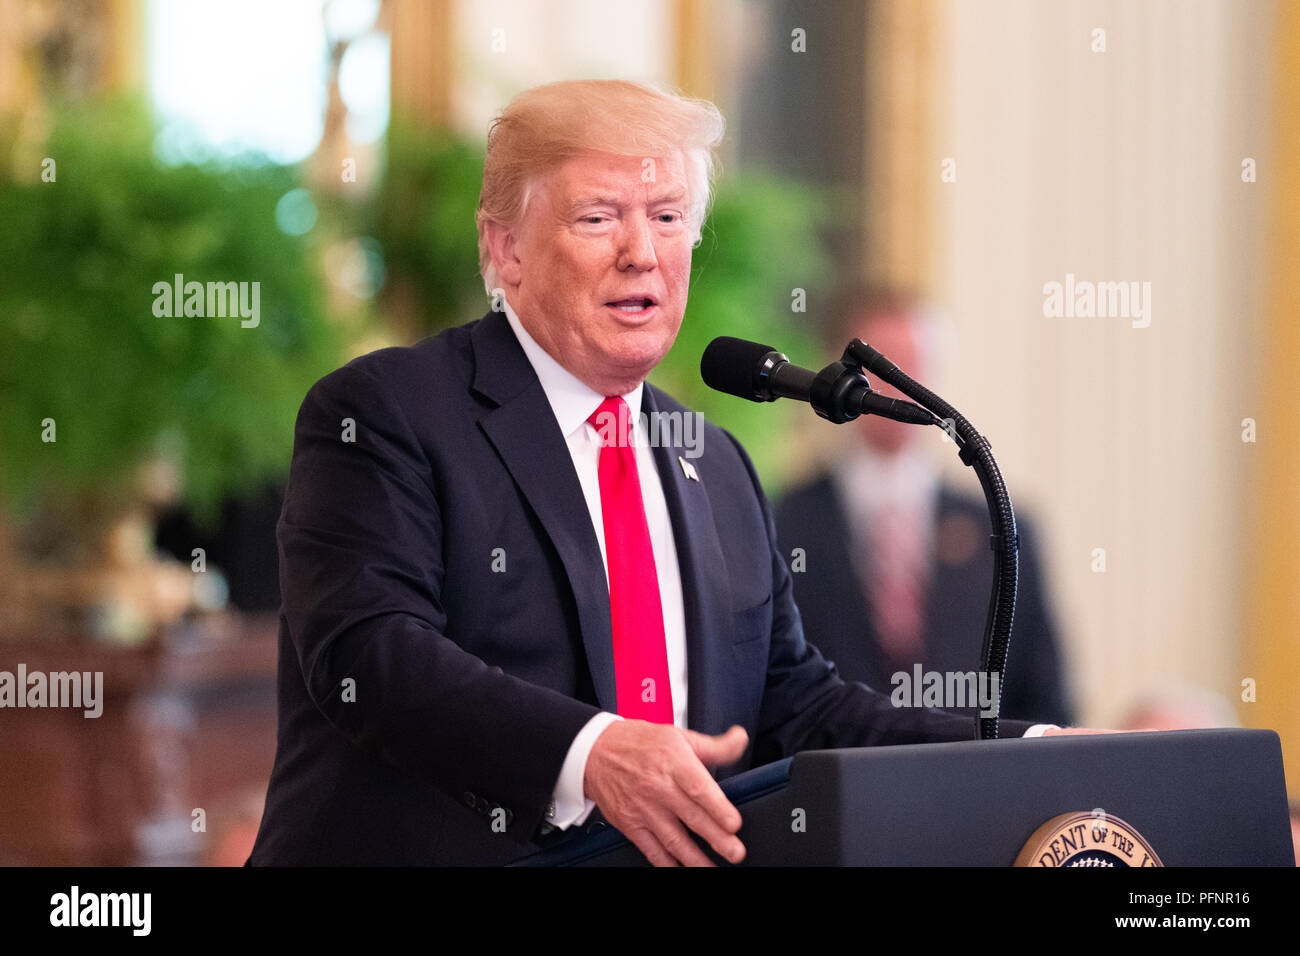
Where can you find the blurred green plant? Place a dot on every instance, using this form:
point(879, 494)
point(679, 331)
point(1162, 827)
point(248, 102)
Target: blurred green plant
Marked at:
point(426, 226)
point(81, 344)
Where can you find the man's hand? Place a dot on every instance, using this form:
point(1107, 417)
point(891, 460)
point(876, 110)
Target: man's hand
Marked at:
point(650, 779)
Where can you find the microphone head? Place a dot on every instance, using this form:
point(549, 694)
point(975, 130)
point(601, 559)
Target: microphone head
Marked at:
point(734, 366)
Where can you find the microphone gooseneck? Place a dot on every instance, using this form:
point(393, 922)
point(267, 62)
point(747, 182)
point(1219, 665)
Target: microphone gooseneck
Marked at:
point(839, 393)
point(976, 452)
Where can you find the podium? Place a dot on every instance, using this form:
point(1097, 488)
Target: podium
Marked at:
point(1196, 797)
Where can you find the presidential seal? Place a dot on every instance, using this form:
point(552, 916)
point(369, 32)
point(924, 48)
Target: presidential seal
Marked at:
point(1087, 838)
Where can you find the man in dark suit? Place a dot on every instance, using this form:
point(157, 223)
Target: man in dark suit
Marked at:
point(896, 566)
point(503, 607)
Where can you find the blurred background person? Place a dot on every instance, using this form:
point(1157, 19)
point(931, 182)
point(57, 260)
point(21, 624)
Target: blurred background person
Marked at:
point(898, 567)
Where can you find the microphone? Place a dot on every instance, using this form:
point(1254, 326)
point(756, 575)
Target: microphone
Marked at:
point(838, 393)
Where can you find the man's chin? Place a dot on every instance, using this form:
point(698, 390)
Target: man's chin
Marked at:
point(645, 346)
point(627, 368)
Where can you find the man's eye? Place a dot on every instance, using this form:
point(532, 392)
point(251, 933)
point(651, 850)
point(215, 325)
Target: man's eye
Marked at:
point(594, 220)
point(668, 217)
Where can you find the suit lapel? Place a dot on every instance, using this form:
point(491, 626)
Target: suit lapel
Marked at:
point(525, 434)
point(856, 641)
point(950, 596)
point(706, 594)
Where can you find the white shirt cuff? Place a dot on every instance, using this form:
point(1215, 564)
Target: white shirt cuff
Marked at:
point(1037, 729)
point(569, 803)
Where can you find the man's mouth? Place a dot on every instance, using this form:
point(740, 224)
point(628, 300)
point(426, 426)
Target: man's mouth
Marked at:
point(633, 305)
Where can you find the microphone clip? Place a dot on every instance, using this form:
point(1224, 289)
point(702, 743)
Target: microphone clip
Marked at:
point(841, 392)
point(837, 390)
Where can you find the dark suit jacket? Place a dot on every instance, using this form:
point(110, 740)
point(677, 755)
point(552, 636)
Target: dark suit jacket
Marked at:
point(835, 610)
point(420, 690)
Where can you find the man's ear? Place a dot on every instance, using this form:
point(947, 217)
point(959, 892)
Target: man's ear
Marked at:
point(503, 248)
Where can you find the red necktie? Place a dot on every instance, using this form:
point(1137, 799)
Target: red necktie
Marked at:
point(897, 569)
point(637, 617)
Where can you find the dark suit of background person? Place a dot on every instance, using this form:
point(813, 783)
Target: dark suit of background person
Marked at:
point(884, 467)
point(470, 684)
point(835, 607)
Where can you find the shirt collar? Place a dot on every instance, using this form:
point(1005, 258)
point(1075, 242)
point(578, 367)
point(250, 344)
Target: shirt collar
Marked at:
point(572, 400)
point(872, 482)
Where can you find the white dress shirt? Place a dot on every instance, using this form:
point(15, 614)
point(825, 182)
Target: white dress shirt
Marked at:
point(871, 483)
point(573, 402)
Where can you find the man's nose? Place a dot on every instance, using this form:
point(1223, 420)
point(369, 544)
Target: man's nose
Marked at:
point(637, 248)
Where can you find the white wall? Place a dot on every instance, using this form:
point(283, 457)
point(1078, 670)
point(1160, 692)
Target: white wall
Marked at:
point(549, 41)
point(1122, 165)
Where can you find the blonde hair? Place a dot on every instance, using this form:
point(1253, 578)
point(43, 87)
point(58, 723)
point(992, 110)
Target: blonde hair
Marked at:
point(544, 126)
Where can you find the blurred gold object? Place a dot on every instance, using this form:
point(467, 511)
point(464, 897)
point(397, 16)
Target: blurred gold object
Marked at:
point(91, 569)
